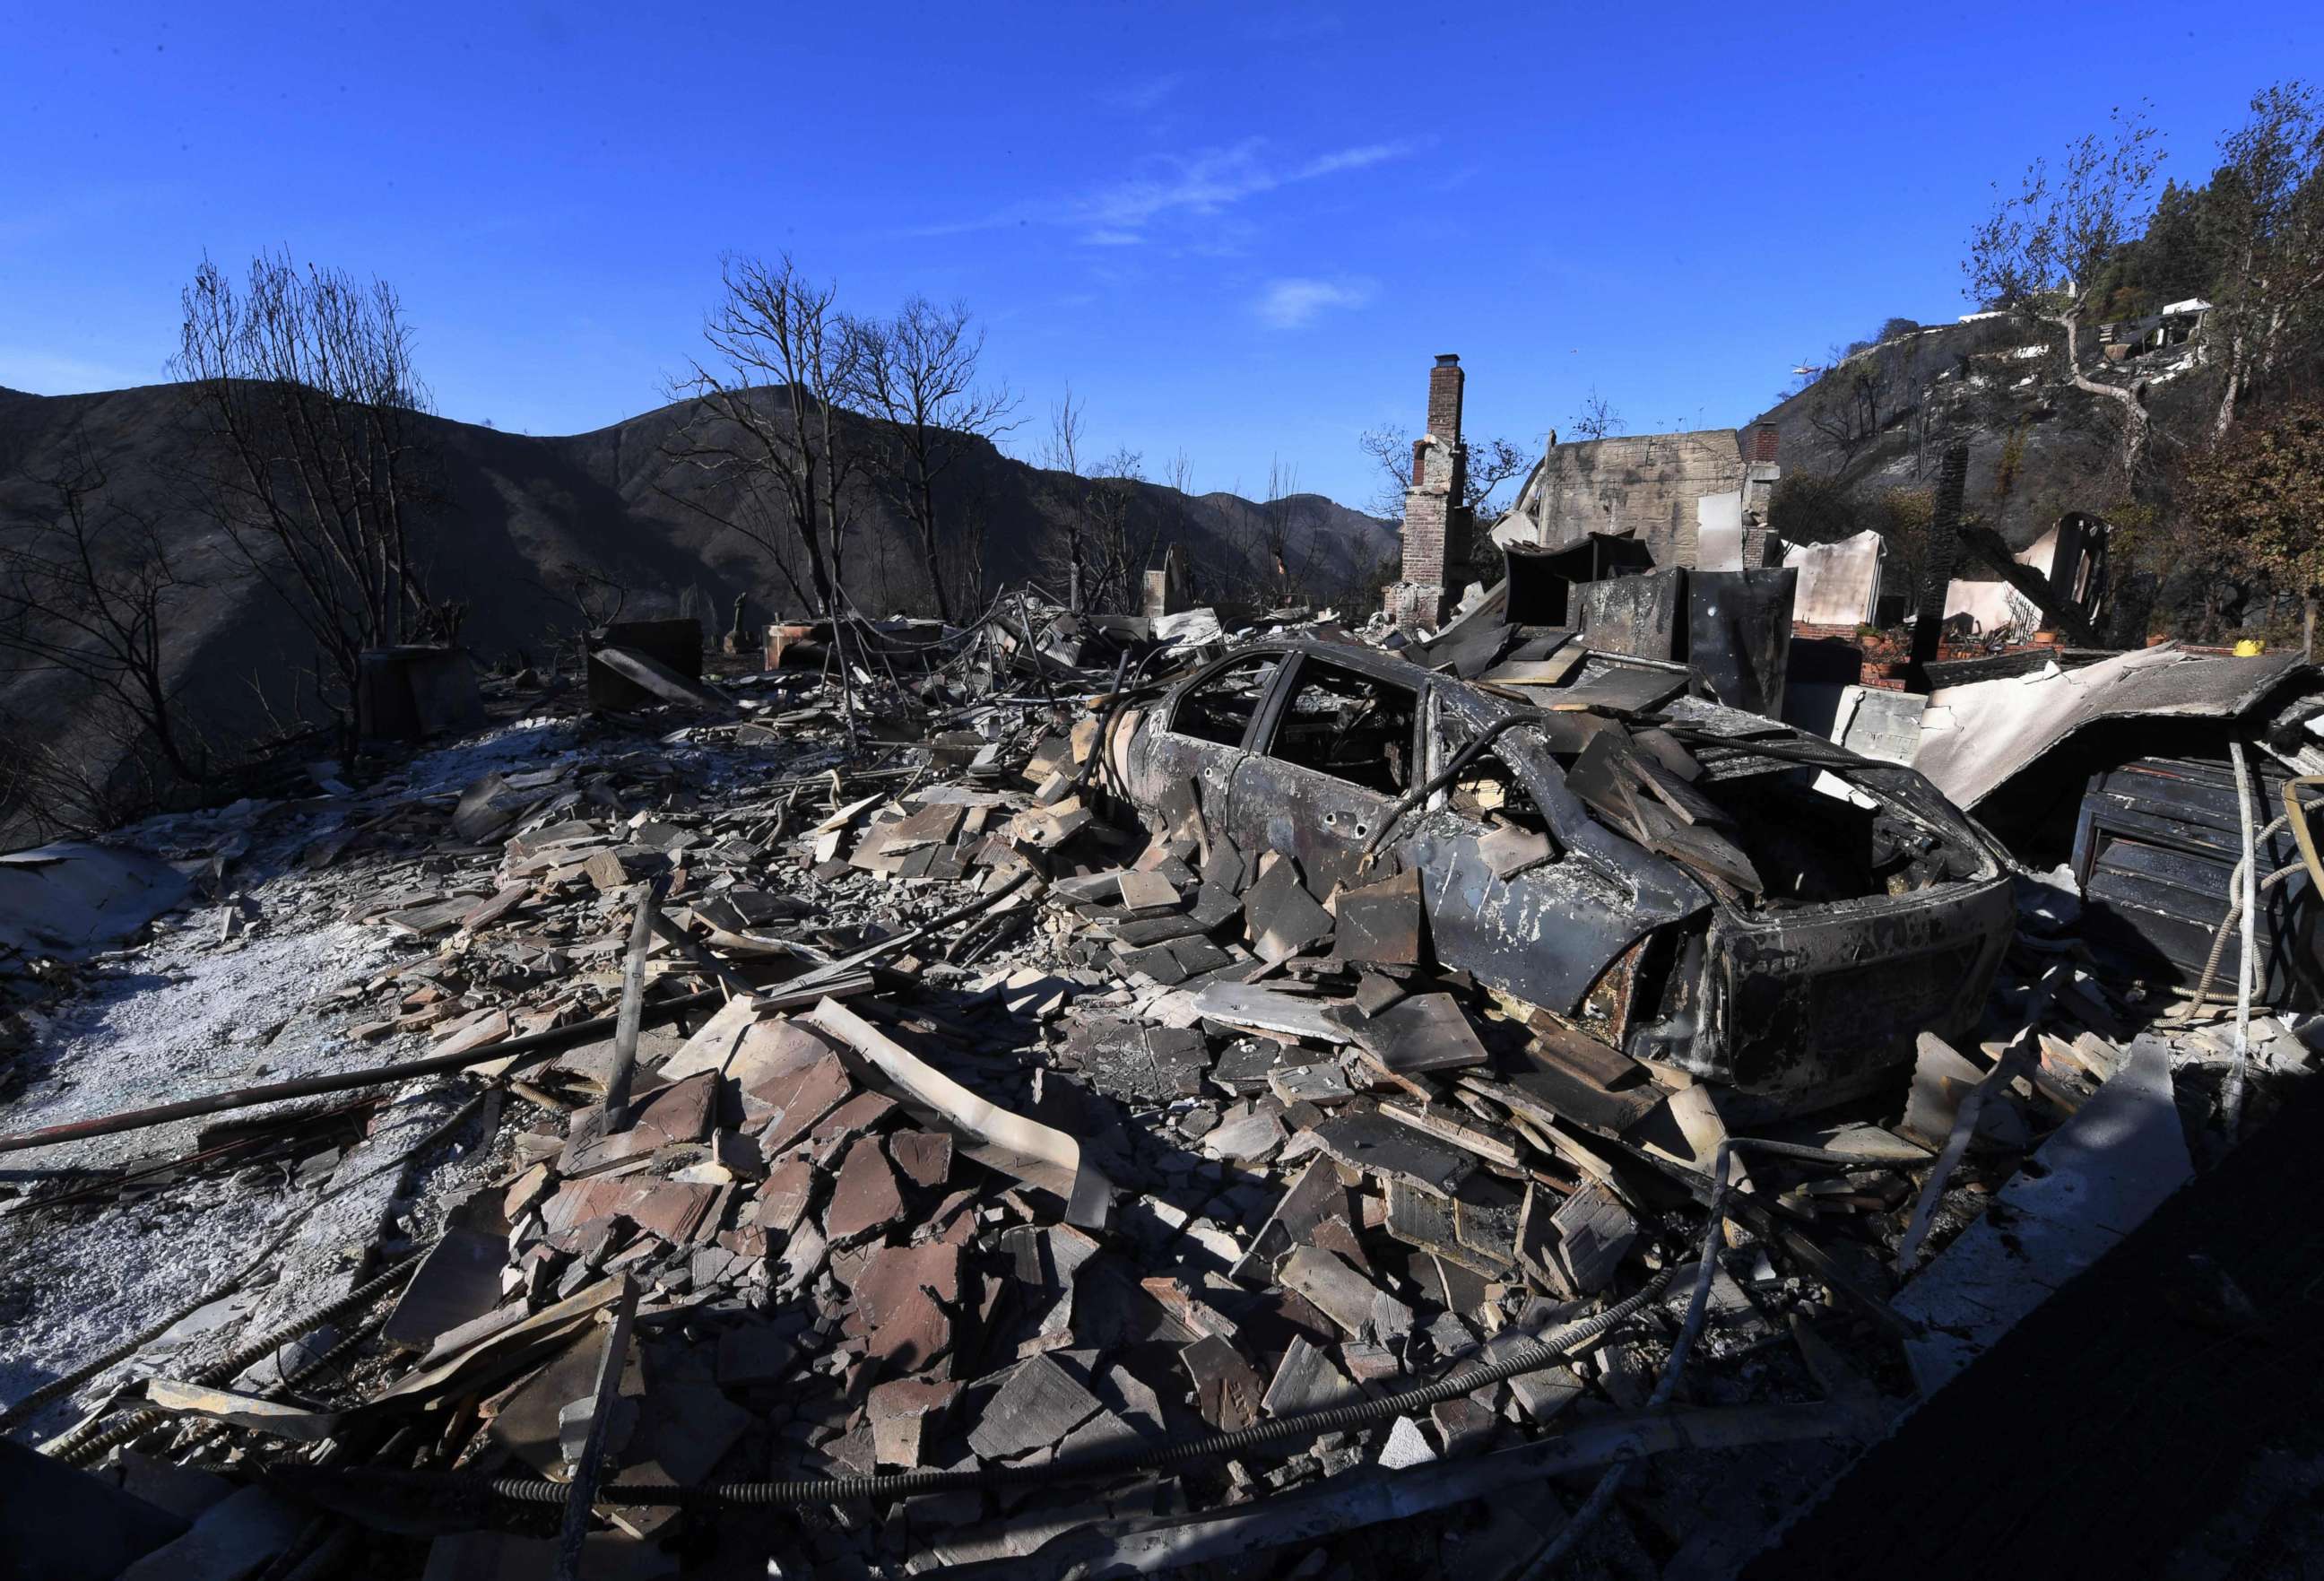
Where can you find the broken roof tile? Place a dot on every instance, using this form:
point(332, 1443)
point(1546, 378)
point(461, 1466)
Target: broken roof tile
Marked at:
point(1380, 922)
point(1367, 1141)
point(1424, 1031)
point(1281, 919)
point(1227, 1389)
point(1594, 1233)
point(924, 1156)
point(1037, 1405)
point(783, 1197)
point(1247, 1134)
point(1337, 1290)
point(1271, 1010)
point(682, 1112)
point(901, 1297)
point(907, 1414)
point(1306, 1379)
point(865, 1198)
point(801, 1099)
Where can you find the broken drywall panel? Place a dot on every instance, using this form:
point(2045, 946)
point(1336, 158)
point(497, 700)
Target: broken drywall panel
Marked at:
point(1839, 582)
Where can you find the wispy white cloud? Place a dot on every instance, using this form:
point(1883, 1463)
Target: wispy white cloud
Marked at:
point(1207, 184)
point(1349, 159)
point(1203, 184)
point(1174, 187)
point(1138, 98)
point(42, 371)
point(1295, 300)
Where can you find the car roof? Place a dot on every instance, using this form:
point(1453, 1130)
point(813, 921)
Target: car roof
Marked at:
point(1354, 655)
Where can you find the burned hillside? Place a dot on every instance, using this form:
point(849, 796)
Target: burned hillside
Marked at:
point(534, 539)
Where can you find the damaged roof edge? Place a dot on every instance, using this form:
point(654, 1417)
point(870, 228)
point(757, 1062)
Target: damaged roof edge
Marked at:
point(1975, 738)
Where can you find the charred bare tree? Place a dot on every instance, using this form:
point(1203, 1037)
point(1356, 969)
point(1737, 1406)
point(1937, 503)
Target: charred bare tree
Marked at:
point(764, 421)
point(1098, 546)
point(1596, 417)
point(1288, 547)
point(597, 597)
point(1846, 408)
point(89, 590)
point(1491, 464)
point(1063, 552)
point(304, 381)
point(917, 373)
point(1121, 538)
point(1390, 448)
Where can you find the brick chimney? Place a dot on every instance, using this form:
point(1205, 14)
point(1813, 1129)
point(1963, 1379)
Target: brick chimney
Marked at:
point(1438, 529)
point(1444, 384)
point(1760, 475)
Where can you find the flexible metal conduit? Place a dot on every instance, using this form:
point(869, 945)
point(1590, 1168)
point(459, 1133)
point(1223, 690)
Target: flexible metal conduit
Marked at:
point(337, 1354)
point(57, 1388)
point(2295, 814)
point(87, 1441)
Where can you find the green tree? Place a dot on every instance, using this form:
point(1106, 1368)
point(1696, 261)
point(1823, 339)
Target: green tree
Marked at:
point(2042, 251)
point(2269, 199)
point(2258, 495)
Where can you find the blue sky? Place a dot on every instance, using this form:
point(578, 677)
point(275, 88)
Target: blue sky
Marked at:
point(1243, 231)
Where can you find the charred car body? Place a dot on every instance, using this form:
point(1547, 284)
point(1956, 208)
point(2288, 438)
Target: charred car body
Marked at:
point(1697, 887)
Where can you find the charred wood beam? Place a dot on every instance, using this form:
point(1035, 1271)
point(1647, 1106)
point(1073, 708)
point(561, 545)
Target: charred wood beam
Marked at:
point(518, 1051)
point(590, 1468)
point(645, 902)
point(1937, 571)
point(1989, 546)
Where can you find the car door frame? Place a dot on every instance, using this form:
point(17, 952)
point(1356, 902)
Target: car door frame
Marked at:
point(1211, 766)
point(1319, 818)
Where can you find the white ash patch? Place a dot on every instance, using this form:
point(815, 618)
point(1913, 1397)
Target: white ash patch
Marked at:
point(179, 1017)
point(72, 1289)
point(187, 1017)
point(540, 743)
point(332, 1252)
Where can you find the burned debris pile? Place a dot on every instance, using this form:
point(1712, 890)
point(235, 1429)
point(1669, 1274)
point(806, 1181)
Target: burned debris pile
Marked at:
point(1014, 1117)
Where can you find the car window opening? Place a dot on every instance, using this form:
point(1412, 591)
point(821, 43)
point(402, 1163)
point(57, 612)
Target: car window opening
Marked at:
point(1219, 709)
point(1350, 727)
point(1812, 848)
point(1490, 791)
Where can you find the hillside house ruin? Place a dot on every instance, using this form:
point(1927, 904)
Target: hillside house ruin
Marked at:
point(1697, 500)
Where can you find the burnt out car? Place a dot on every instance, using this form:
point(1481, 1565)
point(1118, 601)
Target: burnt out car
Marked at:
point(1695, 886)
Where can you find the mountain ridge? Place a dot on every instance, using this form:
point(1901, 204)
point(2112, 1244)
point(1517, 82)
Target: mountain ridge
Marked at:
point(524, 518)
